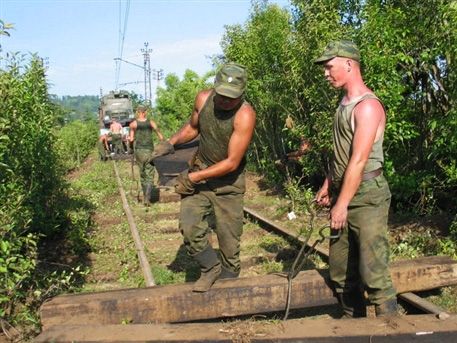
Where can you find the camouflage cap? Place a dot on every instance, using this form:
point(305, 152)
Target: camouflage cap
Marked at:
point(142, 108)
point(231, 80)
point(340, 48)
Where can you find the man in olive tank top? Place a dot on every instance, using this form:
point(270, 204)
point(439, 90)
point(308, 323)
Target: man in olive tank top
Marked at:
point(356, 189)
point(214, 186)
point(141, 130)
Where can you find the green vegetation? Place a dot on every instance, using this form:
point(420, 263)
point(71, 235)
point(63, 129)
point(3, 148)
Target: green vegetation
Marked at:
point(408, 57)
point(38, 217)
point(75, 141)
point(175, 102)
point(77, 108)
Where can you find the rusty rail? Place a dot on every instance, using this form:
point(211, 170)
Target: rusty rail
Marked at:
point(146, 268)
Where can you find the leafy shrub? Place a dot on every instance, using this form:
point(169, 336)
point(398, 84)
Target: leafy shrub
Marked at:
point(75, 141)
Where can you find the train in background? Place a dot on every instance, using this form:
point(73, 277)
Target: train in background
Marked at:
point(116, 105)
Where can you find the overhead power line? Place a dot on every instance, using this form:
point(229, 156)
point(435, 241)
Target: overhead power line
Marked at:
point(121, 39)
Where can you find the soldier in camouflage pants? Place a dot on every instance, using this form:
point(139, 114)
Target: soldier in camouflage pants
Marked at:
point(141, 130)
point(214, 185)
point(356, 189)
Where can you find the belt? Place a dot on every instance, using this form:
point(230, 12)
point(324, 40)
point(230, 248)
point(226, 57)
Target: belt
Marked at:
point(371, 174)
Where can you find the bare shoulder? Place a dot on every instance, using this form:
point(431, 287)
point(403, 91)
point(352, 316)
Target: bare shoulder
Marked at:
point(370, 105)
point(246, 110)
point(369, 108)
point(245, 116)
point(201, 98)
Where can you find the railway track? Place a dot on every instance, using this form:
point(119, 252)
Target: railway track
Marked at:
point(267, 247)
point(262, 223)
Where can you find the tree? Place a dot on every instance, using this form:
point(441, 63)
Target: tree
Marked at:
point(175, 102)
point(408, 58)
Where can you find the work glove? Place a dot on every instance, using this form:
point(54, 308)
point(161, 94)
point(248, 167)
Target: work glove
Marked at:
point(183, 184)
point(163, 148)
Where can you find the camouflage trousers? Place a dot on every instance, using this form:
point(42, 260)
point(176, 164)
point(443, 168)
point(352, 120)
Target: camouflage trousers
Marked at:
point(101, 150)
point(142, 157)
point(226, 210)
point(116, 142)
point(360, 257)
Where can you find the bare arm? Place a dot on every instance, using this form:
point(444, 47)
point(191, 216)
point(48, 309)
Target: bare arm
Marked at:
point(156, 129)
point(244, 124)
point(190, 130)
point(369, 120)
point(132, 131)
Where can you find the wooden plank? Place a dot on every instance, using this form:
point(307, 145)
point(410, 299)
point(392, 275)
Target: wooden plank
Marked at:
point(228, 298)
point(418, 328)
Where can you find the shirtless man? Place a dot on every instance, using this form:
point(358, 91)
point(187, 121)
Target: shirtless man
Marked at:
point(116, 136)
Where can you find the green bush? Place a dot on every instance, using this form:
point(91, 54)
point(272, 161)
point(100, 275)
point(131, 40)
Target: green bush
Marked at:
point(29, 175)
point(34, 206)
point(75, 141)
point(408, 59)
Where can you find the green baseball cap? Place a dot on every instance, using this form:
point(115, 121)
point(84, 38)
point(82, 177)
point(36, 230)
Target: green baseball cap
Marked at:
point(231, 80)
point(339, 48)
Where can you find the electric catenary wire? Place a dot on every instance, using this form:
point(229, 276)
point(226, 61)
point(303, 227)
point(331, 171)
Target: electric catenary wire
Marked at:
point(122, 33)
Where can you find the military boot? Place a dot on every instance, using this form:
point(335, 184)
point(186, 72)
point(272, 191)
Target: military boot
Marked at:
point(387, 309)
point(147, 194)
point(210, 269)
point(353, 304)
point(228, 274)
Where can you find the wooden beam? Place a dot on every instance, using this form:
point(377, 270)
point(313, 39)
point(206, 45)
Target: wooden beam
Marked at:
point(418, 328)
point(228, 298)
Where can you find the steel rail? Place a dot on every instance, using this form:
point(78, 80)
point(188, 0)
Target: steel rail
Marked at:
point(146, 268)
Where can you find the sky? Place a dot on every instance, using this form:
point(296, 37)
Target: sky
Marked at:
point(80, 39)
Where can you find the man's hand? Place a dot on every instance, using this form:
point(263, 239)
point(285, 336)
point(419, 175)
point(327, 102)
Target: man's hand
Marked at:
point(338, 217)
point(163, 148)
point(183, 184)
point(323, 197)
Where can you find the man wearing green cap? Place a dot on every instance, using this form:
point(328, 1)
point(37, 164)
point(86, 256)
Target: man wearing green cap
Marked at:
point(141, 134)
point(356, 189)
point(214, 185)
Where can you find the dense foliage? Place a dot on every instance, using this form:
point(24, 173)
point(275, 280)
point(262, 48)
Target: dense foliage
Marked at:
point(75, 141)
point(34, 206)
point(29, 174)
point(175, 101)
point(408, 58)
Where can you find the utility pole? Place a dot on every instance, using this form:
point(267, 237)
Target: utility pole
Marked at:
point(139, 66)
point(158, 75)
point(147, 72)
